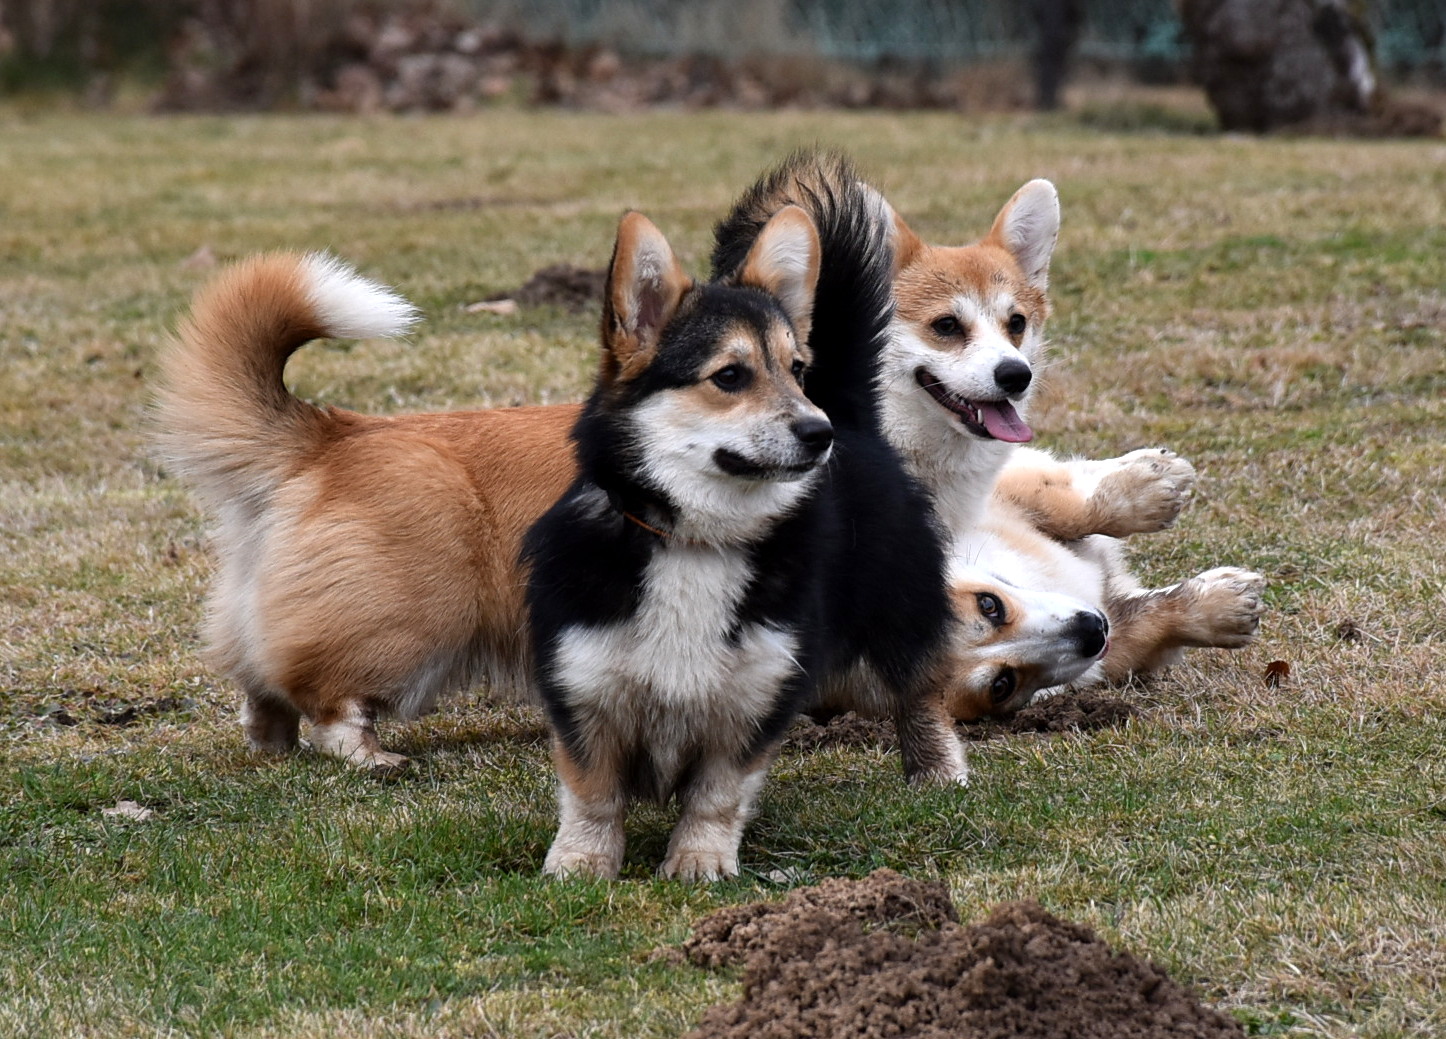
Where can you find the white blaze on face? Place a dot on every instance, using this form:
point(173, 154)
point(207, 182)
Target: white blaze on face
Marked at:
point(677, 442)
point(1036, 636)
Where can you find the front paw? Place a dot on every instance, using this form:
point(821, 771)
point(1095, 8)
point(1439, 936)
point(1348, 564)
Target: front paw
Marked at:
point(575, 862)
point(1143, 492)
point(693, 864)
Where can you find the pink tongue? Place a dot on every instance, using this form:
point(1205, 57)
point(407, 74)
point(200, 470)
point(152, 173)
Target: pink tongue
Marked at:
point(1003, 422)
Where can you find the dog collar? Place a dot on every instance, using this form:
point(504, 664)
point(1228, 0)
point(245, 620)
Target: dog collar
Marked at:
point(660, 534)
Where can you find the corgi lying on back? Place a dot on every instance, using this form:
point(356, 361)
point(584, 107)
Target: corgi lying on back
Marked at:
point(705, 571)
point(954, 383)
point(1043, 598)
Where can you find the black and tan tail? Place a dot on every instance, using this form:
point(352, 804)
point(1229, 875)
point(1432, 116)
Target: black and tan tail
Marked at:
point(853, 301)
point(226, 421)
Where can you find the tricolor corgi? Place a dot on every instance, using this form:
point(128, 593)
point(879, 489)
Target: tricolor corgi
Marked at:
point(730, 542)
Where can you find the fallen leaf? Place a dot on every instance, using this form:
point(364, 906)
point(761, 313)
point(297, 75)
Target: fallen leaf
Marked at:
point(500, 307)
point(128, 810)
point(203, 259)
point(1276, 672)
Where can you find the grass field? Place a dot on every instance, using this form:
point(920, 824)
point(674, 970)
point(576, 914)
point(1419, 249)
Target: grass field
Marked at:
point(1274, 310)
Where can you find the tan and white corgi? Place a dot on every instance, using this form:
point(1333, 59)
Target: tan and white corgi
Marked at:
point(954, 382)
point(365, 565)
point(1043, 597)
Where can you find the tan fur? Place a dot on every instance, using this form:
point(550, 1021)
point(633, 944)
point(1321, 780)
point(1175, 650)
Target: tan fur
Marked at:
point(1045, 529)
point(935, 274)
point(364, 563)
point(645, 285)
point(1219, 608)
point(1140, 498)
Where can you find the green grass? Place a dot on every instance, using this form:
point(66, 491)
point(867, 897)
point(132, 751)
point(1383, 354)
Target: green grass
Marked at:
point(1274, 310)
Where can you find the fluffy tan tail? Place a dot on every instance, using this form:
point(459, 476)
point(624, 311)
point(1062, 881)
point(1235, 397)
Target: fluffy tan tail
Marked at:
point(226, 421)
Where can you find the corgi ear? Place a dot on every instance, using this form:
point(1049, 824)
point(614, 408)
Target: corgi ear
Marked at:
point(1027, 227)
point(784, 263)
point(907, 245)
point(645, 285)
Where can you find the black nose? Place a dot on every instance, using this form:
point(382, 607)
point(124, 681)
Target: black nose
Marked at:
point(1088, 631)
point(1013, 376)
point(814, 433)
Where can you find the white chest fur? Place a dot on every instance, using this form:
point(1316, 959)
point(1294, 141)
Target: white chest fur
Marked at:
point(670, 675)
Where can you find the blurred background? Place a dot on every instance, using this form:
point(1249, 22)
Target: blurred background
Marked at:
point(1340, 65)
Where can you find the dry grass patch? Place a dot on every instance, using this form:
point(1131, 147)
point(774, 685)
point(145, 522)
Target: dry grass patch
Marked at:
point(1271, 309)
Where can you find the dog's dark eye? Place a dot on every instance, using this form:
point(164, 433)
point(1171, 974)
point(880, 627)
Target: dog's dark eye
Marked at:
point(991, 607)
point(798, 369)
point(731, 379)
point(948, 325)
point(1003, 686)
point(1017, 323)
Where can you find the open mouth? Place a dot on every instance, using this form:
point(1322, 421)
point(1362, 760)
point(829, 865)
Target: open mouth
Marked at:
point(736, 465)
point(989, 419)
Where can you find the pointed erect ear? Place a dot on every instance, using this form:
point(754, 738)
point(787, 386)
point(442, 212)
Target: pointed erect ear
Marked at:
point(645, 284)
point(784, 263)
point(907, 245)
point(1027, 227)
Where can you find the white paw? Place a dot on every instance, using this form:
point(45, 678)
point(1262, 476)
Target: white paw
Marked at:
point(576, 862)
point(355, 744)
point(1144, 491)
point(700, 864)
point(383, 759)
point(1228, 605)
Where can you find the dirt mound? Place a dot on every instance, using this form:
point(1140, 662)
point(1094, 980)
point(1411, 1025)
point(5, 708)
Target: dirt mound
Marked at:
point(840, 730)
point(1066, 712)
point(885, 956)
point(561, 285)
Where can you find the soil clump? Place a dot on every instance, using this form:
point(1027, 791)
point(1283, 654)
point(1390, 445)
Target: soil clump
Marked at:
point(564, 285)
point(886, 956)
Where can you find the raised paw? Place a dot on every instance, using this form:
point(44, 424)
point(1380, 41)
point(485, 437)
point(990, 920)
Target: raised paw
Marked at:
point(693, 864)
point(1226, 606)
point(1141, 492)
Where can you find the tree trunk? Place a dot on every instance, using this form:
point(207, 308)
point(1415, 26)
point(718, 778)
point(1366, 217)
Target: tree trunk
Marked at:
point(1267, 64)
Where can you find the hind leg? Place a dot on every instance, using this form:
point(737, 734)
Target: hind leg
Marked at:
point(1148, 629)
point(349, 732)
point(270, 722)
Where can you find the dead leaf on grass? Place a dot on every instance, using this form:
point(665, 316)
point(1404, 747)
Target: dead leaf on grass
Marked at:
point(1276, 672)
point(500, 307)
point(128, 810)
point(1349, 631)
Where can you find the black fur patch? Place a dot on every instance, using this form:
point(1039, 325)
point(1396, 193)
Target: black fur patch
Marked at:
point(856, 572)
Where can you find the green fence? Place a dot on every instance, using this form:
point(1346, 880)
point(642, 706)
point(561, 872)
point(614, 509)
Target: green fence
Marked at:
point(1411, 34)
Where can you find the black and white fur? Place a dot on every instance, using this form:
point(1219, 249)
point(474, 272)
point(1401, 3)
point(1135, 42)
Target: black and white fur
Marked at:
point(712, 565)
